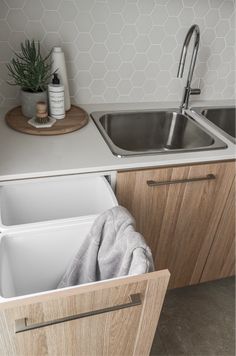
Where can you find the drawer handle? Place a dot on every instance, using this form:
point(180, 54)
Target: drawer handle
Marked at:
point(155, 183)
point(21, 324)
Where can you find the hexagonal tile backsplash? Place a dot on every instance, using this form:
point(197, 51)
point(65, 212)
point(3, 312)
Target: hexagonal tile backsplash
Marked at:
point(125, 50)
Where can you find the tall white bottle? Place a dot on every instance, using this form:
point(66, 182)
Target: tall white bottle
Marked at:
point(58, 63)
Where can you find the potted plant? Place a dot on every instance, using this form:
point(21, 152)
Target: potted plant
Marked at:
point(31, 71)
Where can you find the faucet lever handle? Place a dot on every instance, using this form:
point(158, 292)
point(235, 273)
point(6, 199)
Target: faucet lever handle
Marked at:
point(195, 91)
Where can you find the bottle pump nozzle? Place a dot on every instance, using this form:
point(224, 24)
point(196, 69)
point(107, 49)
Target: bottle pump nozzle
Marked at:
point(55, 79)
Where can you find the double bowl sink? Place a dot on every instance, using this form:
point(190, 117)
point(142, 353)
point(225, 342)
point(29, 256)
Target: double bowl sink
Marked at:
point(161, 131)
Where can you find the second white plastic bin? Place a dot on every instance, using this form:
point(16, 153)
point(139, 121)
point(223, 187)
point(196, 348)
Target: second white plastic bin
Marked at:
point(43, 201)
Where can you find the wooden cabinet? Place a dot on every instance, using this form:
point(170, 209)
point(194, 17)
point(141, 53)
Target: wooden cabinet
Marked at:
point(116, 317)
point(180, 210)
point(221, 259)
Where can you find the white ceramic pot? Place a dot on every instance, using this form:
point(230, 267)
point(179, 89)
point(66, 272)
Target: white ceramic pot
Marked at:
point(29, 100)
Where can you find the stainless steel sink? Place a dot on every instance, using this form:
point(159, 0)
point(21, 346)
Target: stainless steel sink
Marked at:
point(223, 118)
point(151, 132)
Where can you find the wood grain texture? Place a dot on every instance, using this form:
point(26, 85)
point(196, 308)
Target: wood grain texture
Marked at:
point(152, 305)
point(221, 260)
point(75, 119)
point(120, 332)
point(178, 221)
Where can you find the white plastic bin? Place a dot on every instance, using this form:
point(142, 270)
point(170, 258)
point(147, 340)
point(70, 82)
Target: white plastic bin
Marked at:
point(34, 260)
point(34, 202)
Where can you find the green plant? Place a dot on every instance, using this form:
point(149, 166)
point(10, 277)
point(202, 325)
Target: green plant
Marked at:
point(29, 69)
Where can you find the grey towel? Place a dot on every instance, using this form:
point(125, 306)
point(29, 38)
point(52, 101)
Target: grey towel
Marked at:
point(112, 249)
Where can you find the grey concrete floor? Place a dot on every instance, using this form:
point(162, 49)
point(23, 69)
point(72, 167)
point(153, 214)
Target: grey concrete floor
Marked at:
point(198, 321)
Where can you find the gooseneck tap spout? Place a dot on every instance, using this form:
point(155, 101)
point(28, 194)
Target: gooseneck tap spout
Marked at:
point(188, 90)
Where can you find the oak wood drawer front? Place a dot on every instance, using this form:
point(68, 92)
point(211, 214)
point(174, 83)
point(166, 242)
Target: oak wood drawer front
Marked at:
point(125, 331)
point(178, 211)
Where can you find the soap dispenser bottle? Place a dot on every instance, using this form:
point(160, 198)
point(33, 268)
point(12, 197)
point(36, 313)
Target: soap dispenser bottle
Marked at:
point(56, 98)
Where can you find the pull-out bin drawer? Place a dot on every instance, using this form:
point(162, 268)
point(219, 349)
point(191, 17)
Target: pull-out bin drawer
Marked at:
point(108, 318)
point(43, 224)
point(72, 197)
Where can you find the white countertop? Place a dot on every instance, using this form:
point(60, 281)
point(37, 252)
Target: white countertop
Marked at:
point(84, 151)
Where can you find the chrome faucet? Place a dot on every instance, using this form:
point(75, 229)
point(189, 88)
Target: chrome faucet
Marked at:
point(188, 90)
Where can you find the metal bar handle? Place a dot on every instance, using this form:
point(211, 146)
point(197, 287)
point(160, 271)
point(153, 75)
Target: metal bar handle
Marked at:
point(155, 183)
point(21, 325)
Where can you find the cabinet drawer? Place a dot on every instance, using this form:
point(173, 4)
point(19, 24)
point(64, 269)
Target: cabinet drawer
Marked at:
point(111, 317)
point(115, 317)
point(26, 203)
point(43, 224)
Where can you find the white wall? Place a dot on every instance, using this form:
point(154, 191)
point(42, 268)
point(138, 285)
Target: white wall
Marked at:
point(125, 50)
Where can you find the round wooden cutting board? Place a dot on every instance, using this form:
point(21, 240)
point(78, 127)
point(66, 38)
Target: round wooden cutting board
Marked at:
point(75, 119)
